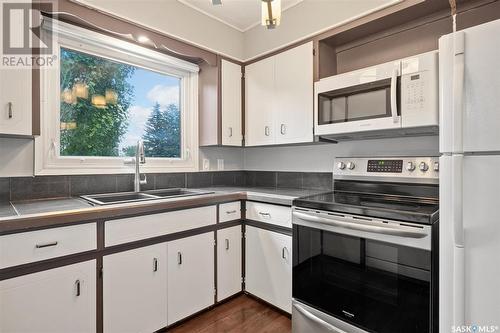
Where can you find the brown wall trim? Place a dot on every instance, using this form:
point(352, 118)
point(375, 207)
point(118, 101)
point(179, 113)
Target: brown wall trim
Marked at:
point(269, 227)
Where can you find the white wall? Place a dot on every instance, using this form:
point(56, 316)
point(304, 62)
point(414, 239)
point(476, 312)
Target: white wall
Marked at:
point(177, 20)
point(306, 19)
point(16, 157)
point(319, 158)
point(233, 157)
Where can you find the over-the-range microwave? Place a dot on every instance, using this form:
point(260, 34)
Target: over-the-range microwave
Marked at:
point(396, 98)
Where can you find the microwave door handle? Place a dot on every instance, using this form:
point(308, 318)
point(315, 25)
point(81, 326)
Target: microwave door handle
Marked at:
point(410, 232)
point(315, 319)
point(394, 93)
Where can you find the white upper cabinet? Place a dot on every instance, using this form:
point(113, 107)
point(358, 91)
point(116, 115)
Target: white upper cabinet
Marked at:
point(231, 104)
point(259, 95)
point(191, 285)
point(135, 290)
point(15, 97)
point(58, 300)
point(293, 95)
point(279, 98)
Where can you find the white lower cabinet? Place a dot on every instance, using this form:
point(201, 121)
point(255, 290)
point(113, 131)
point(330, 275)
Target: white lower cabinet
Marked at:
point(190, 275)
point(268, 266)
point(57, 300)
point(135, 290)
point(228, 262)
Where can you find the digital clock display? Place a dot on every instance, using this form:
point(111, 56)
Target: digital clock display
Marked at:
point(392, 166)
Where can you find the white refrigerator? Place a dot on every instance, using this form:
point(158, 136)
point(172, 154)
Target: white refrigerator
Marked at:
point(469, 267)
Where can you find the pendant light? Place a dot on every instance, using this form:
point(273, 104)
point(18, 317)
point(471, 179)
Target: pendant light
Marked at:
point(271, 13)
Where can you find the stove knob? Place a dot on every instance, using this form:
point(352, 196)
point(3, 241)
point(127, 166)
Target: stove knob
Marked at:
point(423, 166)
point(436, 166)
point(410, 166)
point(351, 165)
point(341, 165)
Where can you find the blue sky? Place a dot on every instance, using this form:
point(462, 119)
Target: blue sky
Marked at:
point(149, 87)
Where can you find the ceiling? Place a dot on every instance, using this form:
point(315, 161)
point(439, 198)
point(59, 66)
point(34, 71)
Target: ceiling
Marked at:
point(238, 14)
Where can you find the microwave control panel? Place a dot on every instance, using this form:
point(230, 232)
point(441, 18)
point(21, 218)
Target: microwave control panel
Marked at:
point(419, 90)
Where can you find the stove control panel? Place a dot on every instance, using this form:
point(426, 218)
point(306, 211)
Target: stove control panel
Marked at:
point(401, 169)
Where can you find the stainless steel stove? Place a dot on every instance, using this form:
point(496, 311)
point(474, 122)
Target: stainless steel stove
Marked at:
point(365, 255)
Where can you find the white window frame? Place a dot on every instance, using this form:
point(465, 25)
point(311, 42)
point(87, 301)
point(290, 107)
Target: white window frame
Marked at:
point(47, 158)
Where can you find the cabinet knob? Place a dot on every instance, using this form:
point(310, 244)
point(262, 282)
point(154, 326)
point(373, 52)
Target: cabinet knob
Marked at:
point(227, 244)
point(266, 130)
point(10, 110)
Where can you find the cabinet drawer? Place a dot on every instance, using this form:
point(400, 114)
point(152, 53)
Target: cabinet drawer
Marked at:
point(267, 213)
point(230, 211)
point(27, 247)
point(154, 225)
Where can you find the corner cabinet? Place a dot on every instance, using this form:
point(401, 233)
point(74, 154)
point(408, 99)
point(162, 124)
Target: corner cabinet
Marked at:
point(56, 300)
point(135, 290)
point(268, 266)
point(279, 98)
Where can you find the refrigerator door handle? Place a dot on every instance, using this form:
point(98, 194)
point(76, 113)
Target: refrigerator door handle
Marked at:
point(457, 200)
point(458, 90)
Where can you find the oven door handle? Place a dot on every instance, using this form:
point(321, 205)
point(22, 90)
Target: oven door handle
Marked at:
point(394, 231)
point(315, 319)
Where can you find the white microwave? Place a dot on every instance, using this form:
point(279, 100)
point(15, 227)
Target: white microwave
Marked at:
point(399, 96)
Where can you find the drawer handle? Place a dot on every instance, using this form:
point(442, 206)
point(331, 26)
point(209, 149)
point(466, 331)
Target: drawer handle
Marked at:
point(283, 129)
point(230, 211)
point(41, 246)
point(179, 258)
point(230, 132)
point(10, 110)
point(155, 265)
point(227, 244)
point(78, 288)
point(264, 214)
point(266, 131)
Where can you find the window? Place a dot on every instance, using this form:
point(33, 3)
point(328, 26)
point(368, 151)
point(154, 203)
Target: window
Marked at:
point(107, 106)
point(106, 94)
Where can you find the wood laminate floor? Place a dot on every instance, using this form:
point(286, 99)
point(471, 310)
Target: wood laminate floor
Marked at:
point(239, 315)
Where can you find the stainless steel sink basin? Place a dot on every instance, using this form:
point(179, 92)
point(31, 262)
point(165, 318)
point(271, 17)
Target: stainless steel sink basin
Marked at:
point(124, 197)
point(176, 192)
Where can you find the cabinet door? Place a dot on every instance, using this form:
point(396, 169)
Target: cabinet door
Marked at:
point(268, 266)
point(228, 262)
point(135, 290)
point(231, 104)
point(259, 100)
point(57, 300)
point(293, 95)
point(190, 275)
point(15, 92)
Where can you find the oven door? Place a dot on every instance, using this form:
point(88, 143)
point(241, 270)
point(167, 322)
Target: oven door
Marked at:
point(374, 275)
point(363, 100)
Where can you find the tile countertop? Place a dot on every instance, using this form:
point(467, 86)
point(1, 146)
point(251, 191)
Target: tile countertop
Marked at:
point(26, 215)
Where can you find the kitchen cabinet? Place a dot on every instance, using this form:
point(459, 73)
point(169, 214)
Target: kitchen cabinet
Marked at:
point(228, 262)
point(135, 290)
point(190, 270)
point(268, 266)
point(231, 104)
point(56, 300)
point(15, 95)
point(279, 98)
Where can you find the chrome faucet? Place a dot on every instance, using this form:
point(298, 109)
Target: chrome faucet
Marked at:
point(140, 158)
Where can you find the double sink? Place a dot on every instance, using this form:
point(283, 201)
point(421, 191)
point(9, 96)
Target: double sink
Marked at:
point(125, 197)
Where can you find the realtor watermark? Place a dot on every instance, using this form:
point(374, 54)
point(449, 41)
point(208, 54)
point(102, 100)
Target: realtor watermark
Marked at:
point(475, 329)
point(25, 43)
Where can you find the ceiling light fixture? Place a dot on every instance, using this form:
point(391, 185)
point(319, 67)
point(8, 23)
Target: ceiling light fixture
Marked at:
point(271, 13)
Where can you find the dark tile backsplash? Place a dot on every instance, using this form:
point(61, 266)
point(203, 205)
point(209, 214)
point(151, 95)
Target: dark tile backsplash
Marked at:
point(40, 187)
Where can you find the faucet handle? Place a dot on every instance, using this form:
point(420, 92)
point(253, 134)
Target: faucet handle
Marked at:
point(143, 181)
